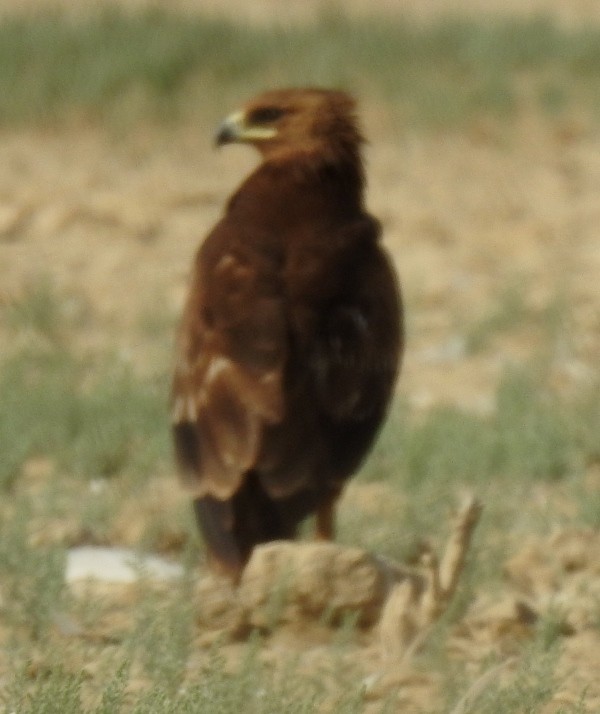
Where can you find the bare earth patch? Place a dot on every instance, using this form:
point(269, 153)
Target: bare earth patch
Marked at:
point(114, 224)
point(113, 221)
point(294, 593)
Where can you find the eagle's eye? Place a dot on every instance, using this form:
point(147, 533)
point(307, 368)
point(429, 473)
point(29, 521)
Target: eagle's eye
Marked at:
point(265, 115)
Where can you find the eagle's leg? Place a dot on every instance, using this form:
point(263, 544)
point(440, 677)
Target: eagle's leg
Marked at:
point(325, 517)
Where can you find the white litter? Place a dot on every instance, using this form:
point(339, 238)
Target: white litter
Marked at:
point(117, 565)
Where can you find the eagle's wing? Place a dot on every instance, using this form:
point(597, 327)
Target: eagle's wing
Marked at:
point(232, 348)
point(346, 322)
point(355, 359)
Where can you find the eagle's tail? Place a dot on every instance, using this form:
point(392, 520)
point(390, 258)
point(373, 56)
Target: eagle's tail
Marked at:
point(231, 528)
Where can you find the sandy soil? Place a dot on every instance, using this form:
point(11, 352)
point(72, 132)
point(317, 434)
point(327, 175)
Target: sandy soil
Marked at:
point(114, 222)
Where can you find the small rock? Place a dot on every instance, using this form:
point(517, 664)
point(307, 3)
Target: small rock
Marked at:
point(287, 581)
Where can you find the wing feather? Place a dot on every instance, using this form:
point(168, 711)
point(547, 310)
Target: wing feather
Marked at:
point(228, 380)
point(347, 338)
point(355, 360)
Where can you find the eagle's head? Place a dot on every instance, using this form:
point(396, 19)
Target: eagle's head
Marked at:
point(295, 121)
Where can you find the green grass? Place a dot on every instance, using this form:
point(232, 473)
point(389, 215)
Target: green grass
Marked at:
point(32, 578)
point(40, 311)
point(510, 312)
point(532, 434)
point(251, 689)
point(529, 436)
point(156, 64)
point(91, 416)
point(95, 420)
point(98, 424)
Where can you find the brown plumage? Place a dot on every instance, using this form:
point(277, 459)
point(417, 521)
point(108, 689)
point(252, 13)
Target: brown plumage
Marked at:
point(292, 333)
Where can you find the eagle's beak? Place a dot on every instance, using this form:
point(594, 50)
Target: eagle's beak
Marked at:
point(235, 129)
point(230, 129)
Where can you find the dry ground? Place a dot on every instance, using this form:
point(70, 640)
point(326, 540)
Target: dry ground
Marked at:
point(114, 222)
point(569, 12)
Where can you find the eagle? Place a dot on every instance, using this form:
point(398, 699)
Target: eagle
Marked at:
point(291, 336)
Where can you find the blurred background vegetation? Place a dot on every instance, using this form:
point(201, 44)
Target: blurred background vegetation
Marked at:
point(84, 443)
point(159, 65)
